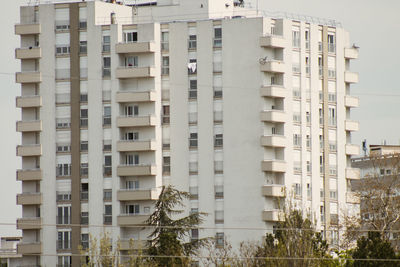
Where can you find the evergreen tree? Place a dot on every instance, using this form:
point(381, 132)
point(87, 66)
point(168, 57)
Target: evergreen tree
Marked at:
point(373, 247)
point(172, 237)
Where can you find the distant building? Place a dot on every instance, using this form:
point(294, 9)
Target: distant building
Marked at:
point(383, 163)
point(215, 98)
point(8, 252)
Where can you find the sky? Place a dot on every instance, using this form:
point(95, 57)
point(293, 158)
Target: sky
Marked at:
point(373, 25)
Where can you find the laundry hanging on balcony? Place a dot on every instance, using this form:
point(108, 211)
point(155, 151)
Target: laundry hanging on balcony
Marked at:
point(192, 66)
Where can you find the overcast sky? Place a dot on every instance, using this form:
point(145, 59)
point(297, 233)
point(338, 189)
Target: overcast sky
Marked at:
point(373, 25)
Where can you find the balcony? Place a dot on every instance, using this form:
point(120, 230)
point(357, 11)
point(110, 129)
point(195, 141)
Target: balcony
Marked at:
point(351, 101)
point(29, 223)
point(350, 77)
point(125, 244)
point(274, 91)
point(352, 126)
point(135, 72)
point(29, 248)
point(29, 126)
point(24, 29)
point(132, 219)
point(273, 116)
point(273, 41)
point(126, 146)
point(274, 66)
point(139, 96)
point(351, 53)
point(135, 47)
point(136, 121)
point(134, 195)
point(352, 150)
point(136, 170)
point(352, 173)
point(29, 175)
point(273, 191)
point(28, 77)
point(29, 150)
point(34, 101)
point(352, 197)
point(29, 199)
point(273, 215)
point(273, 140)
point(273, 165)
point(28, 53)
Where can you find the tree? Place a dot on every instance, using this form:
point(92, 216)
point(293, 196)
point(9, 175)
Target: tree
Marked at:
point(219, 255)
point(379, 199)
point(294, 243)
point(100, 253)
point(373, 247)
point(170, 236)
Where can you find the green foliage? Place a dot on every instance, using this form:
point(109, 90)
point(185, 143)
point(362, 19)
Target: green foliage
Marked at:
point(373, 247)
point(169, 235)
point(295, 243)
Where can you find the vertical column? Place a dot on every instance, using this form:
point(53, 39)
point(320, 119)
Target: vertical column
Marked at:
point(326, 127)
point(75, 132)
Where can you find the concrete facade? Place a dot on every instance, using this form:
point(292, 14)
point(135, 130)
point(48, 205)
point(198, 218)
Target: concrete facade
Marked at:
point(240, 110)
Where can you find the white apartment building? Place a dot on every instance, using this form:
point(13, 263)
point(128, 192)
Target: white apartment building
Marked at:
point(237, 108)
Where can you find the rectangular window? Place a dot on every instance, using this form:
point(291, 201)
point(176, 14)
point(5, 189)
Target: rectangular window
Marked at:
point(166, 164)
point(193, 140)
point(106, 115)
point(132, 136)
point(84, 146)
point(220, 239)
point(107, 214)
point(296, 39)
point(217, 37)
point(193, 89)
point(195, 234)
point(296, 139)
point(132, 185)
point(62, 50)
point(84, 241)
point(63, 169)
point(297, 190)
point(85, 218)
point(308, 141)
point(132, 61)
point(132, 209)
point(107, 145)
point(165, 41)
point(132, 159)
point(107, 194)
point(106, 66)
point(218, 140)
point(331, 43)
point(131, 111)
point(84, 169)
point(219, 191)
point(130, 37)
point(107, 165)
point(309, 190)
point(63, 215)
point(84, 118)
point(307, 38)
point(106, 44)
point(165, 66)
point(192, 42)
point(332, 116)
point(83, 47)
point(165, 114)
point(64, 240)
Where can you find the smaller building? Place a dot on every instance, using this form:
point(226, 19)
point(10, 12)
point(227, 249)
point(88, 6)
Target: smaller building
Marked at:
point(379, 173)
point(8, 252)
